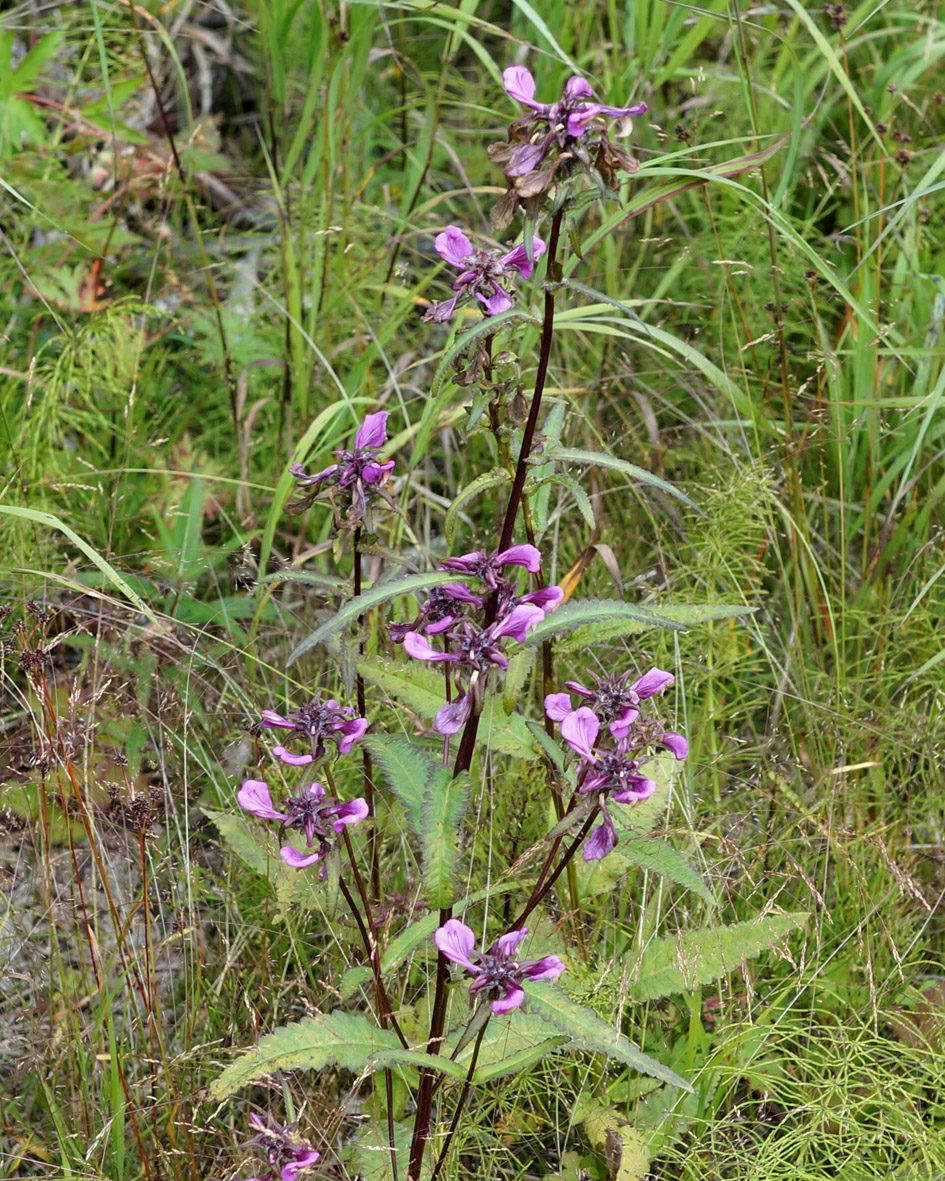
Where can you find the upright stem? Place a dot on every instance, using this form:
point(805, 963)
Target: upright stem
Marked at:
point(365, 753)
point(421, 1130)
point(454, 1123)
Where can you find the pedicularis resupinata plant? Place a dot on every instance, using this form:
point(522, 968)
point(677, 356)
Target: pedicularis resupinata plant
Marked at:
point(472, 970)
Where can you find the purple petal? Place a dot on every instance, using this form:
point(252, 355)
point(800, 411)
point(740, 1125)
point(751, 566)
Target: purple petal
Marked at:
point(579, 730)
point(461, 592)
point(316, 791)
point(274, 721)
point(581, 690)
point(601, 841)
point(495, 304)
point(577, 88)
point(521, 555)
point(373, 431)
point(518, 257)
point(557, 706)
point(440, 312)
point(514, 995)
point(525, 159)
point(549, 967)
point(453, 246)
point(465, 563)
point(519, 622)
point(254, 797)
point(507, 944)
point(676, 743)
point(296, 860)
point(441, 625)
point(290, 1170)
point(639, 789)
point(293, 760)
point(373, 473)
point(620, 727)
point(655, 681)
point(624, 112)
point(419, 648)
point(548, 598)
point(455, 940)
point(520, 85)
point(258, 1122)
point(352, 731)
point(578, 120)
point(451, 718)
point(353, 812)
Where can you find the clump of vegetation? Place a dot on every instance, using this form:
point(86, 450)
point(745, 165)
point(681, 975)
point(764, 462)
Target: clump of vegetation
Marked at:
point(470, 665)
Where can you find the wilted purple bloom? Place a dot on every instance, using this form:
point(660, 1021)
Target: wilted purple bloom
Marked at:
point(487, 567)
point(485, 274)
point(495, 970)
point(357, 470)
point(319, 816)
point(571, 109)
point(551, 141)
point(613, 772)
point(286, 1154)
point(316, 722)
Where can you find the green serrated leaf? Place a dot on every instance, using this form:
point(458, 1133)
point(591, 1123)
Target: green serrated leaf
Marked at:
point(602, 459)
point(642, 852)
point(352, 980)
point(247, 840)
point(625, 1147)
point(509, 1044)
point(486, 327)
point(683, 614)
point(372, 1155)
point(406, 769)
point(585, 508)
point(590, 613)
point(682, 962)
point(520, 665)
point(372, 598)
point(348, 1040)
point(494, 479)
point(415, 685)
point(587, 1031)
point(445, 800)
point(551, 748)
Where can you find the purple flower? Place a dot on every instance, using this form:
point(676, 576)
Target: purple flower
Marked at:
point(615, 702)
point(317, 722)
point(571, 109)
point(286, 1154)
point(485, 274)
point(319, 816)
point(357, 470)
point(487, 567)
point(612, 771)
point(495, 970)
point(552, 141)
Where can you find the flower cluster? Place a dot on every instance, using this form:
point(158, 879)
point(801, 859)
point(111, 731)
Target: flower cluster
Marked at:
point(286, 1154)
point(553, 140)
point(319, 816)
point(486, 274)
point(358, 474)
point(612, 771)
point(496, 970)
point(315, 723)
point(471, 647)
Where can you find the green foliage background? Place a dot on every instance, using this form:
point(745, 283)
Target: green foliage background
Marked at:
point(217, 229)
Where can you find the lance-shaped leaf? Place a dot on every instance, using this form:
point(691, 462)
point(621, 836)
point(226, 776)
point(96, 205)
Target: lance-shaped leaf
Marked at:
point(683, 614)
point(406, 768)
point(509, 1044)
point(680, 963)
point(487, 327)
point(444, 805)
point(603, 459)
point(642, 852)
point(348, 1040)
point(586, 1031)
point(372, 598)
point(590, 613)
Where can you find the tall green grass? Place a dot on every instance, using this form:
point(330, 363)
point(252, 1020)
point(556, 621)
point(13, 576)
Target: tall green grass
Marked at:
point(165, 353)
